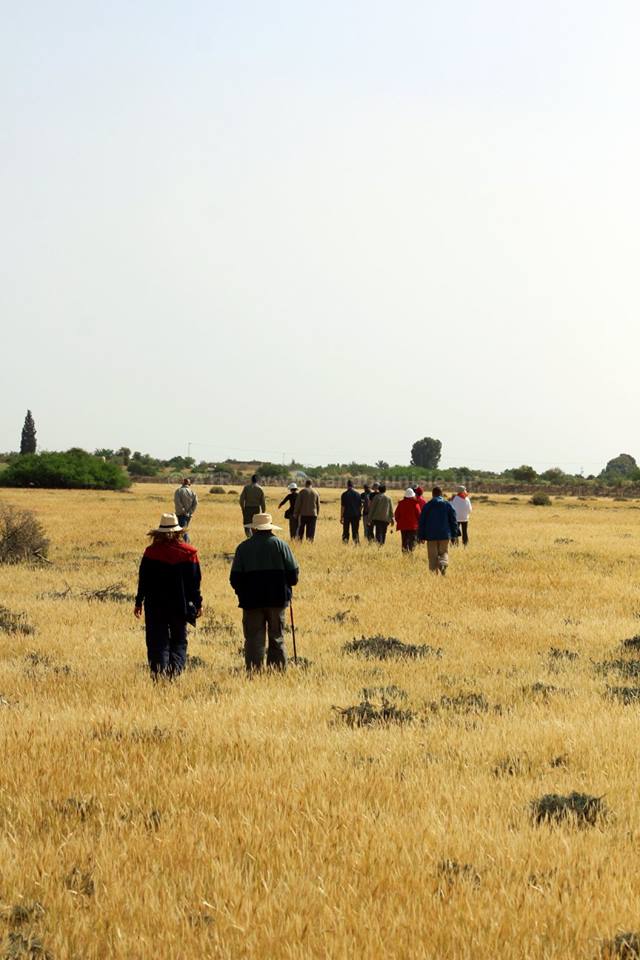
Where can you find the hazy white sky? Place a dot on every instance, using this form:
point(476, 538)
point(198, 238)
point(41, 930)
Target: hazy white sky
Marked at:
point(322, 230)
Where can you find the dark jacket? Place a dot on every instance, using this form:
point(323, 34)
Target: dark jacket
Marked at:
point(351, 504)
point(263, 572)
point(291, 500)
point(438, 521)
point(169, 578)
point(252, 501)
point(380, 509)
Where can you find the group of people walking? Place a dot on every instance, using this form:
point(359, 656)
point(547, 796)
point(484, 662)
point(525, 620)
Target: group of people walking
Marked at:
point(264, 570)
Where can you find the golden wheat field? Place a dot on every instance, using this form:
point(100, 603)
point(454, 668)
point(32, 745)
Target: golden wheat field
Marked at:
point(219, 816)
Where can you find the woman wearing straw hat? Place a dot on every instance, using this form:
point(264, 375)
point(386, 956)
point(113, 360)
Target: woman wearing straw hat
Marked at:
point(169, 588)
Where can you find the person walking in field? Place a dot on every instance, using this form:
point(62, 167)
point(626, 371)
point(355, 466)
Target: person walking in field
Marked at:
point(291, 498)
point(462, 506)
point(307, 511)
point(169, 591)
point(407, 515)
point(371, 494)
point(380, 514)
point(438, 525)
point(262, 574)
point(251, 501)
point(186, 503)
point(350, 510)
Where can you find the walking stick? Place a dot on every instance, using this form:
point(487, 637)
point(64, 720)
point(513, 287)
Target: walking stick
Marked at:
point(293, 632)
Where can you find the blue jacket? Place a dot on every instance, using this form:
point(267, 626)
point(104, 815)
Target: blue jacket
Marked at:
point(437, 521)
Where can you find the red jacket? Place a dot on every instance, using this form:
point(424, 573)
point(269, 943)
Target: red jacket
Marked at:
point(407, 514)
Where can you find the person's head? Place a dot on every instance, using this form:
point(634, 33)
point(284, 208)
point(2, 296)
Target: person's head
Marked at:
point(307, 483)
point(418, 491)
point(382, 488)
point(262, 523)
point(462, 489)
point(436, 492)
point(376, 485)
point(409, 494)
point(293, 486)
point(349, 484)
point(186, 482)
point(168, 529)
point(254, 478)
point(366, 488)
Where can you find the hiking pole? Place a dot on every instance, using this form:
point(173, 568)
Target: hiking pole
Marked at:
point(293, 632)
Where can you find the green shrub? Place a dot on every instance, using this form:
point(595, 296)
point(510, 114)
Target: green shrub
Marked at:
point(75, 469)
point(217, 489)
point(540, 500)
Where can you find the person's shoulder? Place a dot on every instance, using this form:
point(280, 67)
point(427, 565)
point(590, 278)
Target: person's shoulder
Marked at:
point(187, 551)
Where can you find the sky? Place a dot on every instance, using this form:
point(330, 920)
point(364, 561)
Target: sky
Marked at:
point(322, 231)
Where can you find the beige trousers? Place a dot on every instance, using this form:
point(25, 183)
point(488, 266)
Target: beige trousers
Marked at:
point(438, 554)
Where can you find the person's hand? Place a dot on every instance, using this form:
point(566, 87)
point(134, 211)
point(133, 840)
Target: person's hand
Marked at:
point(137, 612)
point(198, 612)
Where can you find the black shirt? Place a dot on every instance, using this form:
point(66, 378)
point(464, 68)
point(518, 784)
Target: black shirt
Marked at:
point(351, 504)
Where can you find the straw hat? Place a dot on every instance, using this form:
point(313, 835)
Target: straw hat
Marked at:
point(263, 521)
point(168, 524)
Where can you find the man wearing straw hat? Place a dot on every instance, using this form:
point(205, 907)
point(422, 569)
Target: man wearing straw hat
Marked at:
point(262, 574)
point(169, 588)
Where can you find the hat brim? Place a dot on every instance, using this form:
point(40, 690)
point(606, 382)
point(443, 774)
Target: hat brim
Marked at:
point(176, 529)
point(267, 526)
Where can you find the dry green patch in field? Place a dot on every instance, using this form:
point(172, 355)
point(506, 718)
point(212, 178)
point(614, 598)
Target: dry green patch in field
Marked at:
point(451, 772)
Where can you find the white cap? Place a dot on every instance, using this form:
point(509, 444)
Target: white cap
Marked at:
point(409, 492)
point(292, 486)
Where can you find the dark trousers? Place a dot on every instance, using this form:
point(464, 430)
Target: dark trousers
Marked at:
point(368, 528)
point(353, 525)
point(293, 527)
point(307, 524)
point(463, 525)
point(380, 530)
point(255, 624)
point(409, 538)
point(183, 520)
point(166, 635)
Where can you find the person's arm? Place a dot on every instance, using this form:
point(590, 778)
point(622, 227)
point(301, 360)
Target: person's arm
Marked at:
point(422, 522)
point(317, 503)
point(263, 502)
point(176, 501)
point(291, 569)
point(194, 504)
point(342, 508)
point(192, 585)
point(282, 502)
point(237, 570)
point(243, 497)
point(453, 523)
point(142, 579)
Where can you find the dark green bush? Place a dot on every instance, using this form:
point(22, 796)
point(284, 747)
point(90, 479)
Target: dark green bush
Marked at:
point(540, 500)
point(73, 469)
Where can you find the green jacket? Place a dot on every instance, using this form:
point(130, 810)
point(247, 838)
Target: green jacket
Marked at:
point(380, 509)
point(252, 501)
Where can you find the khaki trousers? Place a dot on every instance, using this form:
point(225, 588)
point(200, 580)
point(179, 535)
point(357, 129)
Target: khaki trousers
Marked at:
point(438, 554)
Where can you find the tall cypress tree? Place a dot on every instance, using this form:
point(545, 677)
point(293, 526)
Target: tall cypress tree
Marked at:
point(28, 438)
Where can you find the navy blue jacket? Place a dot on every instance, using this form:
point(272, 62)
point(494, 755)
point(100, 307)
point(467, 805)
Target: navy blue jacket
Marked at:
point(437, 521)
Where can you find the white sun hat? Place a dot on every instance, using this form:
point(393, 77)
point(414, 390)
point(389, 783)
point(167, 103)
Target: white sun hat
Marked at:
point(168, 524)
point(263, 521)
point(409, 493)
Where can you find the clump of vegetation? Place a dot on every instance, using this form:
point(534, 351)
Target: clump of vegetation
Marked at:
point(542, 690)
point(217, 624)
point(28, 911)
point(75, 469)
point(14, 622)
point(581, 808)
point(540, 500)
point(217, 489)
point(80, 882)
point(626, 668)
point(22, 536)
point(470, 702)
point(391, 693)
point(626, 695)
point(20, 947)
point(389, 648)
point(113, 593)
point(195, 663)
point(559, 653)
point(563, 539)
point(631, 643)
point(624, 946)
point(378, 708)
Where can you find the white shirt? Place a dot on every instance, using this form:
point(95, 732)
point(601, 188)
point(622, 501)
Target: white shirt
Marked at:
point(462, 507)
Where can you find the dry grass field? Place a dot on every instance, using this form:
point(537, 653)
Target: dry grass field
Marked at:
point(224, 817)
